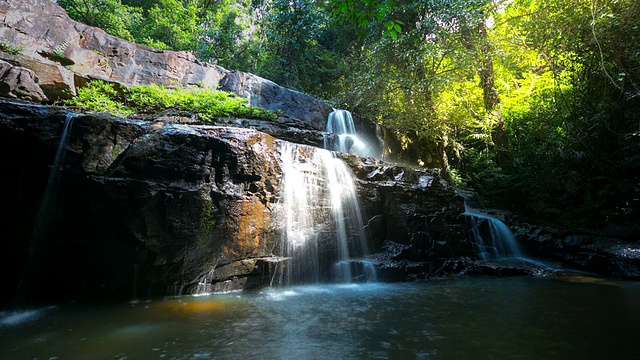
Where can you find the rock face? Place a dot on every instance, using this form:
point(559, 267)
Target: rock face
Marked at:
point(155, 208)
point(19, 83)
point(140, 206)
point(65, 54)
point(413, 218)
point(596, 254)
point(268, 95)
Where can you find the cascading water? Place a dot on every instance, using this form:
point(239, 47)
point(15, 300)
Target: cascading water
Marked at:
point(46, 214)
point(340, 123)
point(320, 219)
point(204, 284)
point(496, 243)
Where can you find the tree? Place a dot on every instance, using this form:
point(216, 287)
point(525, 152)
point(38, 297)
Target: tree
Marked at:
point(171, 24)
point(110, 15)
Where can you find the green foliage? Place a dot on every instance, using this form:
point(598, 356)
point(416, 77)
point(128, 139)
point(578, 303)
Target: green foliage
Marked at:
point(569, 155)
point(227, 38)
point(10, 48)
point(535, 104)
point(293, 28)
point(99, 96)
point(171, 24)
point(208, 104)
point(423, 84)
point(363, 13)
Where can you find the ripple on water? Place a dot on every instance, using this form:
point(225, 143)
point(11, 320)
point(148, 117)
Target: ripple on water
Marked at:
point(17, 318)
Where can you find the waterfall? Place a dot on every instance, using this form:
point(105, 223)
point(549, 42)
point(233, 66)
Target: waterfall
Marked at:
point(54, 179)
point(204, 284)
point(497, 242)
point(320, 219)
point(340, 123)
point(45, 216)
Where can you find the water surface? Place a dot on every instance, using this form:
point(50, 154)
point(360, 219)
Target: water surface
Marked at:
point(464, 318)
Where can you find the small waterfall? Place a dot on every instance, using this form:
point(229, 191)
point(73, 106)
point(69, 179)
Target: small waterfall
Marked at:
point(45, 217)
point(340, 123)
point(320, 219)
point(496, 243)
point(54, 179)
point(204, 284)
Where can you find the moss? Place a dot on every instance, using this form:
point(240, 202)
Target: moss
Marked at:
point(207, 220)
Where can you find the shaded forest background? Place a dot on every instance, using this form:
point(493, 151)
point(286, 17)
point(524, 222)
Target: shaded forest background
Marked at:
point(534, 104)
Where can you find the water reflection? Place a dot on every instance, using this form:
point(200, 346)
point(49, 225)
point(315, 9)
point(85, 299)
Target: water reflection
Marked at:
point(466, 318)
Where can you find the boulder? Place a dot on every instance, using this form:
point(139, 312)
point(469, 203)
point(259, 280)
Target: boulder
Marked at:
point(592, 253)
point(19, 83)
point(271, 96)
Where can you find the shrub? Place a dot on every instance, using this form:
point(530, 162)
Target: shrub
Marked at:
point(148, 99)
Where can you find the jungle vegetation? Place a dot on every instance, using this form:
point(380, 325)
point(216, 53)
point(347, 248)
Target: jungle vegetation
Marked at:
point(535, 104)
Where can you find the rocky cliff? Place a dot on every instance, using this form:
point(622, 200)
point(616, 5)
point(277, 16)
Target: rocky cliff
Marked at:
point(154, 207)
point(45, 55)
point(160, 205)
point(157, 206)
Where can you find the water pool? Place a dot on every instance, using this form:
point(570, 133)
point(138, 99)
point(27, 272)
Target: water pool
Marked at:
point(567, 317)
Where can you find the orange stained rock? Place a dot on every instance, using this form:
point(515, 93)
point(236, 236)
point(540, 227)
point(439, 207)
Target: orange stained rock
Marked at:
point(250, 223)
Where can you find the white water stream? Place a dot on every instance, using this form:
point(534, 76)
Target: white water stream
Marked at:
point(340, 123)
point(320, 219)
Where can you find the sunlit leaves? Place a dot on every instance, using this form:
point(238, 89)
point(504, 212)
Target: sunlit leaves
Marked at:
point(173, 23)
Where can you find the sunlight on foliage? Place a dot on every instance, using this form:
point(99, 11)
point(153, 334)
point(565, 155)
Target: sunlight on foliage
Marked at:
point(535, 104)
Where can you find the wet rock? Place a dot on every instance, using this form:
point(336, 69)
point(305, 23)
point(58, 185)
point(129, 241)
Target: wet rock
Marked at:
point(504, 267)
point(158, 201)
point(238, 275)
point(597, 254)
point(392, 263)
point(416, 210)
